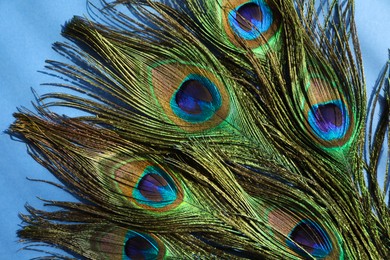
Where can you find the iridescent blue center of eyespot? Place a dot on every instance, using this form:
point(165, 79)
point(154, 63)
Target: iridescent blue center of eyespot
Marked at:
point(308, 239)
point(139, 246)
point(329, 120)
point(196, 100)
point(251, 19)
point(155, 188)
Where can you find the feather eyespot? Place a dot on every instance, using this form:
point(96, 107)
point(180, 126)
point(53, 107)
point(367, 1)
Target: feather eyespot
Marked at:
point(148, 185)
point(255, 22)
point(304, 237)
point(328, 115)
point(113, 242)
point(251, 19)
point(192, 97)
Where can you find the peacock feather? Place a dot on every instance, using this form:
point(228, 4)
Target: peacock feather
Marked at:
point(225, 129)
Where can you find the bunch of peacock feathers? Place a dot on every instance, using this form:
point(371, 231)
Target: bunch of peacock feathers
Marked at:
point(213, 129)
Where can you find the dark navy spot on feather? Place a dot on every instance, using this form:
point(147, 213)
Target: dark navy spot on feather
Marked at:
point(150, 186)
point(247, 15)
point(308, 239)
point(196, 100)
point(140, 246)
point(155, 188)
point(329, 120)
point(328, 116)
point(191, 95)
point(252, 19)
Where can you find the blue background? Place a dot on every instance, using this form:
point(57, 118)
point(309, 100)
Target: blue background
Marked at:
point(28, 28)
